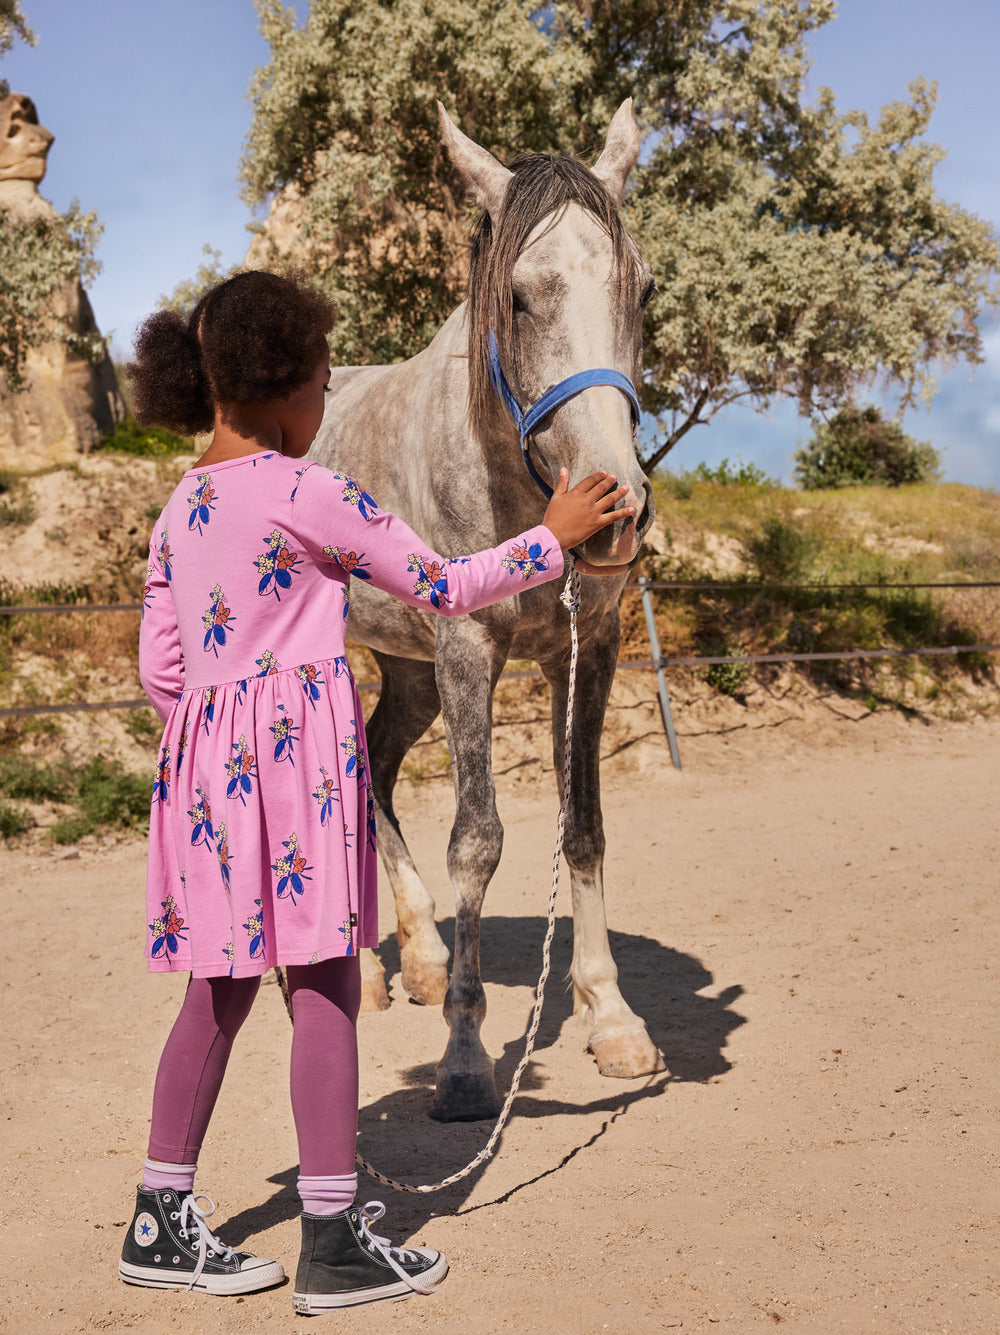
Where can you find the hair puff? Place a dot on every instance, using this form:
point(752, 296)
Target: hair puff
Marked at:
point(253, 338)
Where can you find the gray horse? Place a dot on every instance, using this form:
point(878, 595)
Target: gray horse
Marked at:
point(556, 275)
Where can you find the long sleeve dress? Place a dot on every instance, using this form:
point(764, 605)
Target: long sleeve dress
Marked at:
point(262, 829)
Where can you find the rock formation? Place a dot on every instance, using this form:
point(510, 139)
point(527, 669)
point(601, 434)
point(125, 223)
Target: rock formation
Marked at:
point(69, 403)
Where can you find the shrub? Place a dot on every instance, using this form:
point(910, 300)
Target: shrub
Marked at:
point(859, 448)
point(780, 552)
point(149, 442)
point(13, 821)
point(735, 474)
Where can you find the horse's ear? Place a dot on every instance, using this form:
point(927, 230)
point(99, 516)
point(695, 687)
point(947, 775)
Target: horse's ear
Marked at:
point(620, 153)
point(484, 174)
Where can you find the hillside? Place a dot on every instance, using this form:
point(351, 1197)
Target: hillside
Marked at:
point(80, 534)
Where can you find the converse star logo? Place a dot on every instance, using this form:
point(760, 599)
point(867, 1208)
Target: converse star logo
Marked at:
point(146, 1231)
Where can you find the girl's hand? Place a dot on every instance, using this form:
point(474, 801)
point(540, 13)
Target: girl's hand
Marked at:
point(575, 515)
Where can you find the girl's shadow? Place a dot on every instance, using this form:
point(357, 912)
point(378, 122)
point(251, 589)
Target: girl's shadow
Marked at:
point(662, 985)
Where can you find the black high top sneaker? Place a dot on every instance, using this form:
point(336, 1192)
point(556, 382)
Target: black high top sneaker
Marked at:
point(169, 1246)
point(343, 1263)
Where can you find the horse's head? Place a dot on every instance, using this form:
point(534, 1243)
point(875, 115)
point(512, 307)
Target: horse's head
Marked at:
point(556, 275)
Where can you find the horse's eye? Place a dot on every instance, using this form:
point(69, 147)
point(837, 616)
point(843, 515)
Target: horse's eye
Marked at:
point(517, 303)
point(647, 295)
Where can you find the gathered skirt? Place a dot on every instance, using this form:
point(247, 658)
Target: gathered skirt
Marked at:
point(262, 828)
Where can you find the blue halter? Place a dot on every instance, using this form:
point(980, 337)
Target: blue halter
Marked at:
point(526, 422)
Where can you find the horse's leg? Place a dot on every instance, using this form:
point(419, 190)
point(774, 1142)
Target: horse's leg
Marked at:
point(468, 664)
point(408, 704)
point(618, 1037)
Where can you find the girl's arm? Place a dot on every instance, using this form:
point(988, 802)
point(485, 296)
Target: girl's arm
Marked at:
point(337, 521)
point(161, 662)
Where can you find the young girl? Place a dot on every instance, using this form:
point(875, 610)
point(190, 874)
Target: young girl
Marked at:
point(262, 831)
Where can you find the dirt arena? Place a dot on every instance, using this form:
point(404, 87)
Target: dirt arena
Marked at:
point(806, 917)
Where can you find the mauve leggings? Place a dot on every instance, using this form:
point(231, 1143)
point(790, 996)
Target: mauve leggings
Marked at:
point(324, 1068)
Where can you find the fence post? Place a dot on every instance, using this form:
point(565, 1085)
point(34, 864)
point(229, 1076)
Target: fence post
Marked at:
point(661, 676)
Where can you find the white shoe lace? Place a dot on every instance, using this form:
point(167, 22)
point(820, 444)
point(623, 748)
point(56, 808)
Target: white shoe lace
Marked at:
point(369, 1214)
point(193, 1226)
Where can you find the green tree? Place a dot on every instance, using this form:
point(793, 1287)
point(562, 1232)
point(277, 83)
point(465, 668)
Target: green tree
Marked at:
point(798, 250)
point(857, 447)
point(38, 257)
point(12, 26)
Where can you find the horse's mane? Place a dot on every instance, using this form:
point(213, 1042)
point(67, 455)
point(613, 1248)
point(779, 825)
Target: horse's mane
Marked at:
point(542, 184)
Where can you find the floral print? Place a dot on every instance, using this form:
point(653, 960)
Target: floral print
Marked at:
point(309, 675)
point(254, 928)
point(432, 582)
point(161, 776)
point(163, 555)
point(291, 869)
point(285, 734)
point(276, 566)
point(147, 589)
point(525, 560)
point(200, 503)
point(325, 794)
point(244, 622)
point(218, 621)
point(241, 771)
point(224, 856)
point(201, 820)
point(355, 754)
point(353, 563)
point(166, 929)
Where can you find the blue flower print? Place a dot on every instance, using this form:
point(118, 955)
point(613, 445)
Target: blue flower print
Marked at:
point(308, 675)
point(201, 820)
point(200, 502)
point(182, 745)
point(353, 495)
point(242, 770)
point(147, 592)
point(298, 479)
point(229, 950)
point(341, 667)
point(209, 698)
point(223, 854)
point(276, 566)
point(432, 581)
point(370, 818)
point(325, 794)
point(241, 691)
point(254, 928)
point(284, 731)
point(166, 929)
point(268, 664)
point(218, 621)
point(291, 869)
point(347, 931)
point(355, 755)
point(352, 563)
point(161, 776)
point(165, 556)
point(527, 560)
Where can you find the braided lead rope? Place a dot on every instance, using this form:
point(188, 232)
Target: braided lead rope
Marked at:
point(570, 598)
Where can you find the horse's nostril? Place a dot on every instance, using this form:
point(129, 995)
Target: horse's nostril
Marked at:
point(645, 518)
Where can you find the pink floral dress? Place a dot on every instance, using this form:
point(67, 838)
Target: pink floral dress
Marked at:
point(262, 828)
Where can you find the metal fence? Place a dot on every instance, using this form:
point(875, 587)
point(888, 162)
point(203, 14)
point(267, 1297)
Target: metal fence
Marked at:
point(646, 588)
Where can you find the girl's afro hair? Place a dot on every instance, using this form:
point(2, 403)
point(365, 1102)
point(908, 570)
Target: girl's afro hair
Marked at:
point(253, 338)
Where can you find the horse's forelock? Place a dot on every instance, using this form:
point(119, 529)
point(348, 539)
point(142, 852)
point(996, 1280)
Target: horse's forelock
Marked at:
point(541, 185)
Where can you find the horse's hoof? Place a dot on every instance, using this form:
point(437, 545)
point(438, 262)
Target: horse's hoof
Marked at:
point(466, 1098)
point(424, 983)
point(374, 996)
point(627, 1054)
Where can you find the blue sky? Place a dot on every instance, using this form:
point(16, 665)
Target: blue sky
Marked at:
point(147, 101)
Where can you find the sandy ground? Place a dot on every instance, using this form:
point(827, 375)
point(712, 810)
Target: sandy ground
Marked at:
point(807, 918)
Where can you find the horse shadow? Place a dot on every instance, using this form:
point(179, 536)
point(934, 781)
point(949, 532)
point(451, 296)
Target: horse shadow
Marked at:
point(665, 986)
